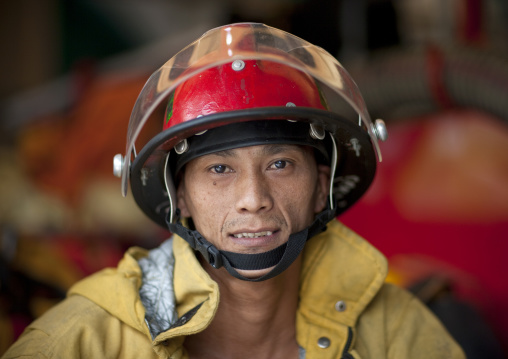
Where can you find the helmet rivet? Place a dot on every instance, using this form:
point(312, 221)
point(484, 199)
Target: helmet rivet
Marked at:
point(238, 65)
point(118, 165)
point(181, 146)
point(380, 130)
point(291, 104)
point(317, 132)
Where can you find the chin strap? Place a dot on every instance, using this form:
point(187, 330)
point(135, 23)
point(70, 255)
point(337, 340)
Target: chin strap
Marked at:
point(281, 257)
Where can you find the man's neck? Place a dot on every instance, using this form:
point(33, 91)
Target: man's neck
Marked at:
point(254, 319)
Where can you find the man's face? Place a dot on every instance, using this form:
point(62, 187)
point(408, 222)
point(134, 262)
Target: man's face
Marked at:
point(249, 200)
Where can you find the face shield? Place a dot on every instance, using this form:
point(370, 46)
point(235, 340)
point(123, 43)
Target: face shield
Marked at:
point(346, 117)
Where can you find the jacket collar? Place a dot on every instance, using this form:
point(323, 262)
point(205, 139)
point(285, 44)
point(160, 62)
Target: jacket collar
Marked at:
point(341, 274)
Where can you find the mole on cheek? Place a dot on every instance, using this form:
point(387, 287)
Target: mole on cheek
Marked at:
point(214, 183)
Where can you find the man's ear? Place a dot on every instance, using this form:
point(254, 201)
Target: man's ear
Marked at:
point(323, 187)
point(180, 195)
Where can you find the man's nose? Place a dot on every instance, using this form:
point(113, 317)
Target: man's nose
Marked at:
point(253, 193)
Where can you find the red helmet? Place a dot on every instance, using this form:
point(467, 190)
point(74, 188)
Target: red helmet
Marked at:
point(251, 85)
point(242, 85)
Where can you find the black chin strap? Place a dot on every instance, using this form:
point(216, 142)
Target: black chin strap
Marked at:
point(280, 258)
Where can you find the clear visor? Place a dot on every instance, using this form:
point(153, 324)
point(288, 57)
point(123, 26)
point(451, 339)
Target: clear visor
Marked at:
point(245, 41)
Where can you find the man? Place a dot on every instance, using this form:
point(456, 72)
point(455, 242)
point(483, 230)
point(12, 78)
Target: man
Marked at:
point(265, 140)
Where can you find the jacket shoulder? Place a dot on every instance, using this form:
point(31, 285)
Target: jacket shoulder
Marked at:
point(76, 328)
point(404, 327)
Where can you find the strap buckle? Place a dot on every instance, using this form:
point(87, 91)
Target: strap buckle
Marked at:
point(208, 250)
point(197, 242)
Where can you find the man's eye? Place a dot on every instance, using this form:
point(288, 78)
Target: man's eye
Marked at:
point(219, 168)
point(280, 164)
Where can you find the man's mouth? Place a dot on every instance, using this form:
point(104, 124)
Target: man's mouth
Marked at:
point(252, 234)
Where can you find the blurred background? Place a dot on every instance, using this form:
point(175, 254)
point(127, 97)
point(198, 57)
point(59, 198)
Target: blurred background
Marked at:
point(435, 70)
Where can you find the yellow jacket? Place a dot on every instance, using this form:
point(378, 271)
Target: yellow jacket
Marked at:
point(346, 310)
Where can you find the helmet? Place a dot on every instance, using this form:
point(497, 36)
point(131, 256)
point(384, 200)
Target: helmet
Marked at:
point(242, 85)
